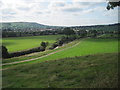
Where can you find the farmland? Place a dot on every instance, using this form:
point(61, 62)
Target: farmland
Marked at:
point(86, 47)
point(21, 43)
point(83, 47)
point(66, 44)
point(83, 63)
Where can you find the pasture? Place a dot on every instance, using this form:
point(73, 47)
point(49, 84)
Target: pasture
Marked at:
point(83, 47)
point(87, 47)
point(92, 63)
point(14, 44)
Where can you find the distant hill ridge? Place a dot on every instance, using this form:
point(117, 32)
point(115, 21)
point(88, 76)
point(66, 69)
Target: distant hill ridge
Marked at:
point(25, 25)
point(36, 26)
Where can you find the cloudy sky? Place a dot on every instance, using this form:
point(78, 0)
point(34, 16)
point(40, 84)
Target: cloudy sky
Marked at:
point(58, 12)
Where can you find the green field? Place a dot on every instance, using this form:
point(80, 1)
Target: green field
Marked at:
point(38, 54)
point(90, 63)
point(83, 47)
point(94, 71)
point(22, 43)
point(87, 47)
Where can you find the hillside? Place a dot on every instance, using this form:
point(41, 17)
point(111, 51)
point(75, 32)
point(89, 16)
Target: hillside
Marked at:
point(32, 26)
point(109, 27)
point(18, 26)
point(92, 71)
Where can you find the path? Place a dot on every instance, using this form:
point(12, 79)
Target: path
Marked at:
point(41, 56)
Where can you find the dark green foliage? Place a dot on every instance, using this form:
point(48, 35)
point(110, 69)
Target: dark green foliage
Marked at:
point(82, 33)
point(20, 53)
point(5, 53)
point(63, 40)
point(94, 32)
point(60, 42)
point(54, 45)
point(44, 44)
point(68, 31)
point(112, 5)
point(29, 33)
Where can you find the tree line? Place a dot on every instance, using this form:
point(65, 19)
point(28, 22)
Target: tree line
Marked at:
point(30, 33)
point(6, 54)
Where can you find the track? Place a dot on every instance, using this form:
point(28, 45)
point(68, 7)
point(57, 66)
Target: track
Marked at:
point(40, 57)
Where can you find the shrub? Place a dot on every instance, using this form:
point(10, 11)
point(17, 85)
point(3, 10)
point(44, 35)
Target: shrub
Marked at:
point(37, 49)
point(54, 45)
point(5, 53)
point(43, 44)
point(63, 40)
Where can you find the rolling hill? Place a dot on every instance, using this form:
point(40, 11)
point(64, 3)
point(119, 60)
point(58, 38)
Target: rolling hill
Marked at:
point(33, 26)
point(109, 27)
point(18, 26)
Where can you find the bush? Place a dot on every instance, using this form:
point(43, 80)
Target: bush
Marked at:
point(54, 45)
point(60, 43)
point(44, 44)
point(63, 40)
point(37, 49)
point(5, 53)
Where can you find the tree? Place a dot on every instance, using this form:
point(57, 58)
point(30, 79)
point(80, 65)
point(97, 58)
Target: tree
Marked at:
point(82, 33)
point(5, 53)
point(44, 44)
point(60, 42)
point(111, 5)
point(94, 32)
point(68, 31)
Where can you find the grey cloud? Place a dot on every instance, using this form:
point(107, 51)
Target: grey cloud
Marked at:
point(60, 4)
point(85, 3)
point(24, 8)
point(39, 12)
point(48, 12)
point(72, 9)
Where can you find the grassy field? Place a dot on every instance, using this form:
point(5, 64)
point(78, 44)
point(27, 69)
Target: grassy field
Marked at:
point(92, 63)
point(87, 47)
point(93, 71)
point(39, 54)
point(22, 43)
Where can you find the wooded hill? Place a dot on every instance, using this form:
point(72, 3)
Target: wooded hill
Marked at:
point(32, 26)
point(25, 26)
point(109, 27)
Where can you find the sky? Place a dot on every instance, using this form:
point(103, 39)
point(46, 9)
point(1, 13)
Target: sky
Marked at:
point(58, 12)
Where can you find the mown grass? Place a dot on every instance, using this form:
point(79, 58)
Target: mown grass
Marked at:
point(91, 71)
point(23, 43)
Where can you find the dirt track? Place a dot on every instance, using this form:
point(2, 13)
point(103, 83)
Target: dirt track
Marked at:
point(41, 56)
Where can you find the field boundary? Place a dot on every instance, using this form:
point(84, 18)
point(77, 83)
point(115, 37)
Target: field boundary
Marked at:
point(41, 56)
